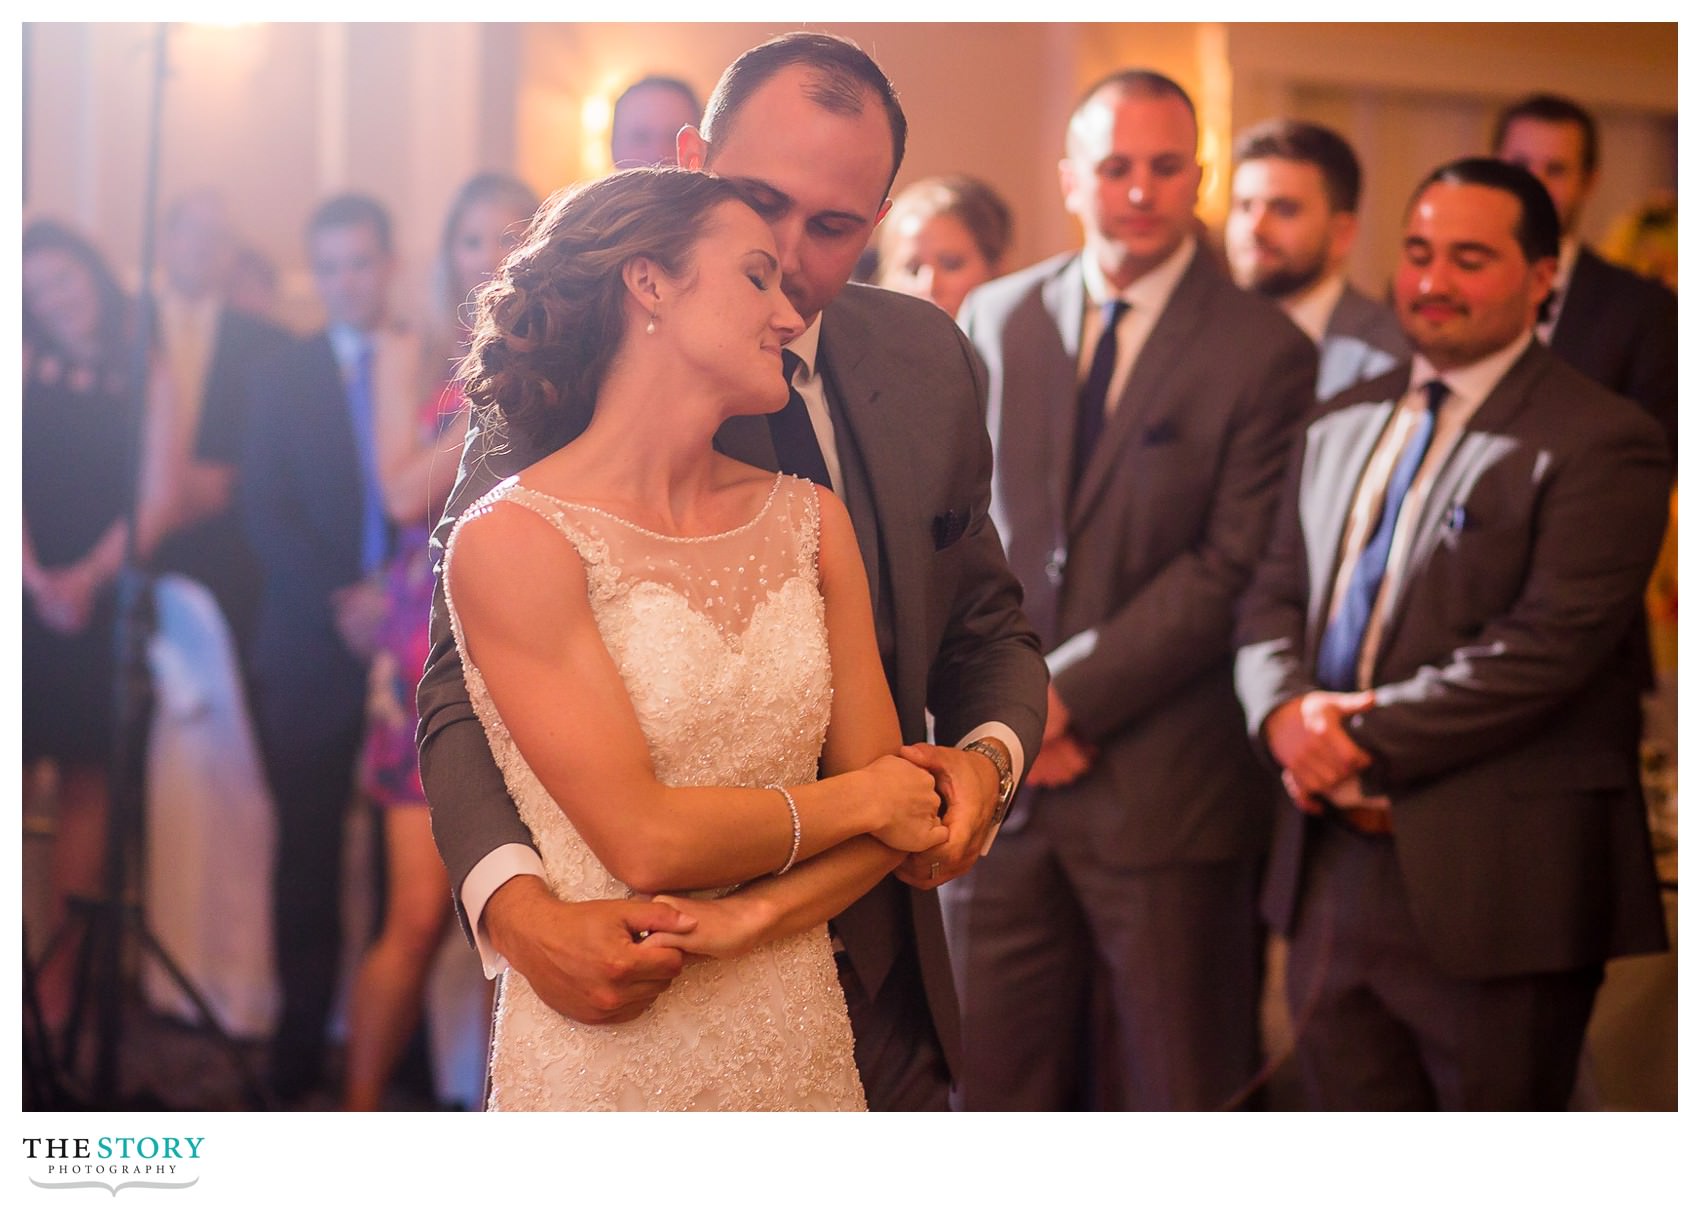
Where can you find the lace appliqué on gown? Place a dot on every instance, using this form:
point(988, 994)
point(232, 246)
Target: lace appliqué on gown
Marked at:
point(721, 642)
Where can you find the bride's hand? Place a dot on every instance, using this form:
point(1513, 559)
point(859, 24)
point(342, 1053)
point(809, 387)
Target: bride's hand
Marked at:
point(725, 928)
point(910, 802)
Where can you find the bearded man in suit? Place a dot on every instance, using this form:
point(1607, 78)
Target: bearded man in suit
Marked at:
point(1437, 652)
point(1291, 224)
point(1611, 323)
point(886, 408)
point(1141, 407)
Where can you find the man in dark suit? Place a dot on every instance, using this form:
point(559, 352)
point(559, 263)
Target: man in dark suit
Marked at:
point(313, 512)
point(1140, 410)
point(1434, 651)
point(1291, 223)
point(1612, 324)
point(886, 407)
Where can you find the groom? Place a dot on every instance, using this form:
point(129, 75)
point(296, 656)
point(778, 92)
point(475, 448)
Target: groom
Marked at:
point(810, 129)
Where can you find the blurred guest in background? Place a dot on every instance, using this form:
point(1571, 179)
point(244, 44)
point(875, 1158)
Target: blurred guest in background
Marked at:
point(250, 283)
point(647, 119)
point(418, 441)
point(1291, 224)
point(314, 509)
point(86, 457)
point(1645, 239)
point(943, 237)
point(1141, 407)
point(1436, 652)
point(1611, 323)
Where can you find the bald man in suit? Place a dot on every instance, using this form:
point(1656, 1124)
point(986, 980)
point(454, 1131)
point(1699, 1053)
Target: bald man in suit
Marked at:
point(1140, 408)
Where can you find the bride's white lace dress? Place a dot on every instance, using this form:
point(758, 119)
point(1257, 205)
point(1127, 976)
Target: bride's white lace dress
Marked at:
point(721, 642)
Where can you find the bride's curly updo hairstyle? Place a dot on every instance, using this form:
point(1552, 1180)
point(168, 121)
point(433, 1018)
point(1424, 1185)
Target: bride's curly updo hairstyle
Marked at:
point(552, 318)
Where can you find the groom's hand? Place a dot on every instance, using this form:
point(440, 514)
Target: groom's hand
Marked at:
point(968, 784)
point(582, 957)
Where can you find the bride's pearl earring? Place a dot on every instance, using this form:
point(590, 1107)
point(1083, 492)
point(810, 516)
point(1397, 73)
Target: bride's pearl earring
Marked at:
point(650, 327)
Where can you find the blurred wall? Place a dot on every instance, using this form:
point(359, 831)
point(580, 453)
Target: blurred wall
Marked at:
point(278, 115)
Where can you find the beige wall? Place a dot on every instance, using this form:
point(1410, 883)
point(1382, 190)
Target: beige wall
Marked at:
point(280, 114)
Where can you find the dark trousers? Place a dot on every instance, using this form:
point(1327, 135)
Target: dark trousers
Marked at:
point(897, 1051)
point(1380, 1028)
point(1179, 950)
point(311, 784)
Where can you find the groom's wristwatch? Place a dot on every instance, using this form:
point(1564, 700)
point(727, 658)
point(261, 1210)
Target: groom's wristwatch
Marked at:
point(1006, 775)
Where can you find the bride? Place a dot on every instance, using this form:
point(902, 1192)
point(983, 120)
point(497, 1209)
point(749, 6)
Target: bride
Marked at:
point(665, 646)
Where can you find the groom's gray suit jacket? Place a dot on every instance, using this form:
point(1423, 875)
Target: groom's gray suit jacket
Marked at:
point(907, 397)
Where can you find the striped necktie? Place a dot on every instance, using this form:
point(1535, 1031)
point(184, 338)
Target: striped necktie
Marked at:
point(1343, 639)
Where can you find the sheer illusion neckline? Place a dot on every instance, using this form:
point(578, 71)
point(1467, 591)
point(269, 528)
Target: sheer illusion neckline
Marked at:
point(766, 505)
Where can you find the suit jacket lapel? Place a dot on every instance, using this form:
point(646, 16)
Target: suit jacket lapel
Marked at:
point(748, 439)
point(1166, 347)
point(1481, 437)
point(1330, 487)
point(1581, 301)
point(873, 448)
point(1064, 299)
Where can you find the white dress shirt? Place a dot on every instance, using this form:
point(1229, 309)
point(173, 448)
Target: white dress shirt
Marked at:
point(1467, 388)
point(1146, 298)
point(1312, 308)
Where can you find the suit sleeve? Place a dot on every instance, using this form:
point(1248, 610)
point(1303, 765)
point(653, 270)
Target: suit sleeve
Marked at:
point(1597, 533)
point(1270, 666)
point(989, 666)
point(1181, 621)
point(1652, 371)
point(471, 811)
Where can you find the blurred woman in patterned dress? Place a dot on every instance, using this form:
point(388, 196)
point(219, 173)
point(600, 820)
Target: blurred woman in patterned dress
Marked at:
point(418, 449)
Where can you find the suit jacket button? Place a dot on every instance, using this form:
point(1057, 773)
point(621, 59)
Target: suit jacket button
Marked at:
point(1054, 567)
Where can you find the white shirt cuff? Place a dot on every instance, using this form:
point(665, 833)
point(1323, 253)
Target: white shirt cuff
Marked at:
point(489, 874)
point(1017, 758)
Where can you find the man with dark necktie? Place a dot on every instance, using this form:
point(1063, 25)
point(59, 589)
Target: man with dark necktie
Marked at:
point(1610, 323)
point(314, 515)
point(1436, 651)
point(1141, 408)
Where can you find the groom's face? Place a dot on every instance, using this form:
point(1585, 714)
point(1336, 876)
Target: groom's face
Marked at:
point(817, 177)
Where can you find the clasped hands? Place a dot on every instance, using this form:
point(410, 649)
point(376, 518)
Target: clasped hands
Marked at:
point(1063, 757)
point(602, 962)
point(1308, 740)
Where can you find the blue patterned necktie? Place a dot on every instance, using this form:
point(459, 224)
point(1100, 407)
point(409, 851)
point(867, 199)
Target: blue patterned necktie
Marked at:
point(794, 440)
point(1094, 393)
point(374, 529)
point(1343, 639)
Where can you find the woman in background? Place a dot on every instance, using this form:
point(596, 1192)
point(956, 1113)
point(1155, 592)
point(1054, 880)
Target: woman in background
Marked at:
point(418, 450)
point(943, 237)
point(82, 447)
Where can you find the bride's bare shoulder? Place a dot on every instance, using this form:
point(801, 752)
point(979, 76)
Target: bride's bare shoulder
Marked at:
point(507, 544)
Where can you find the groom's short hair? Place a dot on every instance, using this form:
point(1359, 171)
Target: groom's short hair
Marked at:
point(843, 75)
